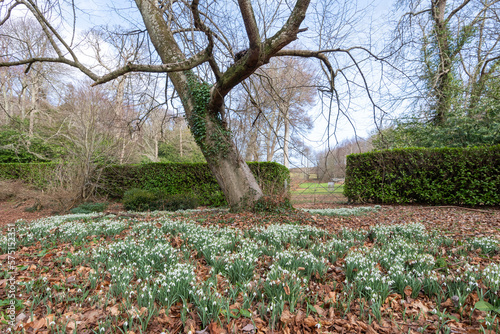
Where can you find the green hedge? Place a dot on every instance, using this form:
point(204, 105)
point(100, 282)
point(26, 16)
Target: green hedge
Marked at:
point(468, 176)
point(170, 178)
point(186, 178)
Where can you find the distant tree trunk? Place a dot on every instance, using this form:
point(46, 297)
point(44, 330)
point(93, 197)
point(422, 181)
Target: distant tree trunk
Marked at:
point(444, 75)
point(180, 140)
point(286, 120)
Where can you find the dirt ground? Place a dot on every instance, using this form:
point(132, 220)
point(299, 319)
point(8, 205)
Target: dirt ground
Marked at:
point(11, 211)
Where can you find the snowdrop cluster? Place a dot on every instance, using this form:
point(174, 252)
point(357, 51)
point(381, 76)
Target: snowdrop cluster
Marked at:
point(238, 267)
point(491, 277)
point(74, 227)
point(75, 230)
point(343, 211)
point(145, 257)
point(332, 249)
point(352, 234)
point(283, 285)
point(279, 235)
point(175, 283)
point(121, 277)
point(412, 232)
point(4, 244)
point(487, 245)
point(301, 260)
point(211, 242)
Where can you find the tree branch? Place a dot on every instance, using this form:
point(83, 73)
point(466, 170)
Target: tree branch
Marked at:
point(29, 61)
point(456, 10)
point(250, 24)
point(188, 64)
point(9, 11)
point(289, 31)
point(210, 36)
point(483, 70)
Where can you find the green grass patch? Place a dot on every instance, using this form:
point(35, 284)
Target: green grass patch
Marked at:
point(318, 188)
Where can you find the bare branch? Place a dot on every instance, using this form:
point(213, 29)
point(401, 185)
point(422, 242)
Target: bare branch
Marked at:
point(173, 67)
point(9, 11)
point(62, 60)
point(290, 30)
point(456, 10)
point(201, 26)
point(483, 70)
point(250, 24)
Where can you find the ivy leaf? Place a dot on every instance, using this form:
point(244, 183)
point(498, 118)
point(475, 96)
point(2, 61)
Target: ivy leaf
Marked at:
point(246, 313)
point(484, 306)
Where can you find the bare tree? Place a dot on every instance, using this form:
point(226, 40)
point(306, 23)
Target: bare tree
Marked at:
point(276, 102)
point(196, 42)
point(332, 162)
point(87, 115)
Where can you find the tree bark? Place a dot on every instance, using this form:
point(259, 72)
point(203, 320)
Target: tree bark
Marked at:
point(232, 173)
point(286, 154)
point(206, 118)
point(442, 87)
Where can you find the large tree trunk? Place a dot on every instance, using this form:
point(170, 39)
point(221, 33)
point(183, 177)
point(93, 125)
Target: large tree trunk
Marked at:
point(212, 135)
point(206, 120)
point(232, 173)
point(204, 104)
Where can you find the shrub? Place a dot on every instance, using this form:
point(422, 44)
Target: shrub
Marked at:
point(272, 204)
point(177, 202)
point(469, 176)
point(89, 207)
point(187, 178)
point(39, 175)
point(138, 199)
point(143, 200)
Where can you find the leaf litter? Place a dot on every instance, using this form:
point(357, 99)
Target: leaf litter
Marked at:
point(61, 289)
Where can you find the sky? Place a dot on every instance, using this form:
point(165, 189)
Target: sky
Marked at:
point(361, 121)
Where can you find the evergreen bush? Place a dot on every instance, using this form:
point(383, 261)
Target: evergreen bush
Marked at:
point(142, 200)
point(89, 207)
point(458, 176)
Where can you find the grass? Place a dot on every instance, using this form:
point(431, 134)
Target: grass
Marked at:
point(154, 273)
point(318, 188)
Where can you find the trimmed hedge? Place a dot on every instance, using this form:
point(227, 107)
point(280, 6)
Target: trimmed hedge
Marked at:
point(459, 176)
point(187, 178)
point(169, 178)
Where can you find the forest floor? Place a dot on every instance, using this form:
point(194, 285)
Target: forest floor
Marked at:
point(389, 269)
